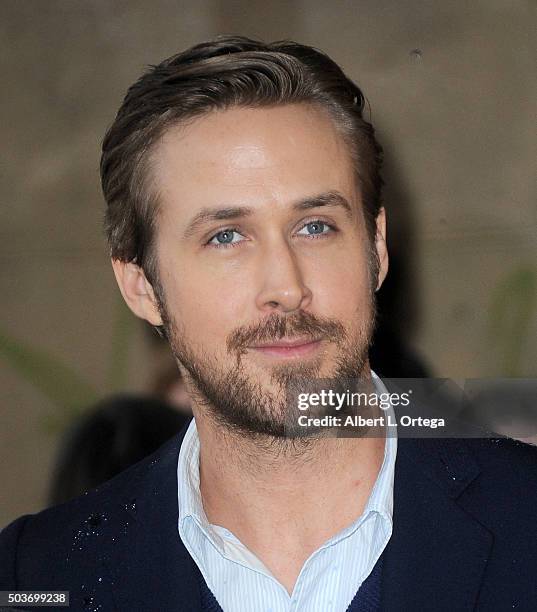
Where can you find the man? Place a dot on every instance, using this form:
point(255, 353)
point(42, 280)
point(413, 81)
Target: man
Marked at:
point(243, 214)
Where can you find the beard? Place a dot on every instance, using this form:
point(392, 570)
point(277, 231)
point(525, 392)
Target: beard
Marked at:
point(236, 400)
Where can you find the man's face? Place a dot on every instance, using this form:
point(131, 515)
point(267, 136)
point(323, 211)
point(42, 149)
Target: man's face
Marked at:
point(263, 257)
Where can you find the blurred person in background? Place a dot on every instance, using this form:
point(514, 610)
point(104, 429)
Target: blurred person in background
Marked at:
point(110, 437)
point(245, 222)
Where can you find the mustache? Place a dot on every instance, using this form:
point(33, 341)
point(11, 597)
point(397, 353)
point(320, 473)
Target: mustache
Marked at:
point(277, 326)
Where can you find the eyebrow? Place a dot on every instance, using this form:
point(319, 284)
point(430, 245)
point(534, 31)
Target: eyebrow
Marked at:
point(330, 199)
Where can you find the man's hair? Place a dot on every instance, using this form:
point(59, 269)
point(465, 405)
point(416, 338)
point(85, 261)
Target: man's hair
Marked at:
point(230, 71)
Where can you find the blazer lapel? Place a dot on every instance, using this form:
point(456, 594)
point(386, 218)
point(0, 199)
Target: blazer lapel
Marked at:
point(437, 553)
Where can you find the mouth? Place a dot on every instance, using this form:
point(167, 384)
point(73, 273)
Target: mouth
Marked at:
point(288, 348)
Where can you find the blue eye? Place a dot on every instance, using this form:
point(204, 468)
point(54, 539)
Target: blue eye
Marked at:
point(315, 228)
point(225, 237)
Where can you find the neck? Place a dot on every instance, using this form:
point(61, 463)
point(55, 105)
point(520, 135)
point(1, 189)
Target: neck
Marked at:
point(284, 501)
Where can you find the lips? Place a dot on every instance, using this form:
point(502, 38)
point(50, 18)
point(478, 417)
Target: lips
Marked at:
point(285, 343)
point(287, 347)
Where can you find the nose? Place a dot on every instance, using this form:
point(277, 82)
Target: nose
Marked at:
point(282, 287)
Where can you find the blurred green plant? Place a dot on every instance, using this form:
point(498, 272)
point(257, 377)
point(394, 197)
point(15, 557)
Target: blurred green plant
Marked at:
point(514, 302)
point(69, 392)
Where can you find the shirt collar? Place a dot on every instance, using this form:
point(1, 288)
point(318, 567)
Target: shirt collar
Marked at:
point(188, 478)
point(381, 498)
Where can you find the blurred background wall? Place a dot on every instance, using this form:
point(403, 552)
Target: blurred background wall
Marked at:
point(452, 94)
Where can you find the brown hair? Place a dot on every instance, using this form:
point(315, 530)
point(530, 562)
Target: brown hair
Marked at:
point(228, 71)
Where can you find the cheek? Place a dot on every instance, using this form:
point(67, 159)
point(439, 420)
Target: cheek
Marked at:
point(207, 305)
point(341, 286)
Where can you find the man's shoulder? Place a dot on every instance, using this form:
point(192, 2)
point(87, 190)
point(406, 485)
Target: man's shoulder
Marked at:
point(505, 457)
point(502, 448)
point(38, 545)
point(505, 460)
point(488, 452)
point(508, 476)
point(494, 478)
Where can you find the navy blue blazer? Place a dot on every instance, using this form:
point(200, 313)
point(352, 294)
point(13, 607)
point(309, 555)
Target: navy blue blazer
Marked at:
point(464, 535)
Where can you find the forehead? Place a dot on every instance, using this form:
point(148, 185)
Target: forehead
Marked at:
point(262, 157)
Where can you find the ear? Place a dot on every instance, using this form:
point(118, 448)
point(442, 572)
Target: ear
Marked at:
point(381, 247)
point(137, 291)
